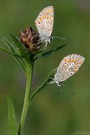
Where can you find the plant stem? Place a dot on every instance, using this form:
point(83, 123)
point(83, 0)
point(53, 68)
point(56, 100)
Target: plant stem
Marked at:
point(27, 96)
point(47, 80)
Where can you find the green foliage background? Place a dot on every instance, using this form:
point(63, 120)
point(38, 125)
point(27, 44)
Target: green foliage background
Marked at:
point(50, 113)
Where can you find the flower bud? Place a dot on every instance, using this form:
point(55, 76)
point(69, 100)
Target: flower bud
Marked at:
point(30, 39)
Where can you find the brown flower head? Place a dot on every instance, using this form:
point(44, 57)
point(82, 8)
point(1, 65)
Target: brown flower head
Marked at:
point(30, 39)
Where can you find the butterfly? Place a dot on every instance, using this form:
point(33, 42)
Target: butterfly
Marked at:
point(44, 23)
point(67, 68)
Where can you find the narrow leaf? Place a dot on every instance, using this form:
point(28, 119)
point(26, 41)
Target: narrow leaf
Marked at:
point(14, 51)
point(5, 50)
point(59, 47)
point(50, 52)
point(22, 62)
point(44, 84)
point(11, 117)
point(46, 54)
point(21, 48)
point(7, 42)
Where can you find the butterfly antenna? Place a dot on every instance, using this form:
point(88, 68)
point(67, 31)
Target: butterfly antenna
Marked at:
point(58, 37)
point(62, 38)
point(68, 87)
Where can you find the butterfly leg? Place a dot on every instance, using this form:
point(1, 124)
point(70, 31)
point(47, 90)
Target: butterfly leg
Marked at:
point(47, 42)
point(51, 81)
point(45, 47)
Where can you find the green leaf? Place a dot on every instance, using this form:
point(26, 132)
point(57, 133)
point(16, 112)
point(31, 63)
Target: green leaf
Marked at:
point(7, 43)
point(11, 45)
point(46, 54)
point(5, 50)
point(22, 62)
point(59, 47)
point(11, 117)
point(14, 50)
point(21, 48)
point(50, 52)
point(44, 84)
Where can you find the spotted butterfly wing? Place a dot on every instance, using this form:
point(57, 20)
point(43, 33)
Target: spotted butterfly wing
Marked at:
point(44, 23)
point(68, 67)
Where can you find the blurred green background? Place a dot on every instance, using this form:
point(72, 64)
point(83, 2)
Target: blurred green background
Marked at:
point(50, 113)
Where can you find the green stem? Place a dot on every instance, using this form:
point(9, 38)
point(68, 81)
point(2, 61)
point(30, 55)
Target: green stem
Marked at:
point(48, 79)
point(27, 96)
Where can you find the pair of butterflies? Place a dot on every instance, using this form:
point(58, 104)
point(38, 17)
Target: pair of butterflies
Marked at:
point(71, 63)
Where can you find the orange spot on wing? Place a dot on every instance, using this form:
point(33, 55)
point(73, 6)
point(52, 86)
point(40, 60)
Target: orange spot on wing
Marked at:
point(76, 68)
point(69, 60)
